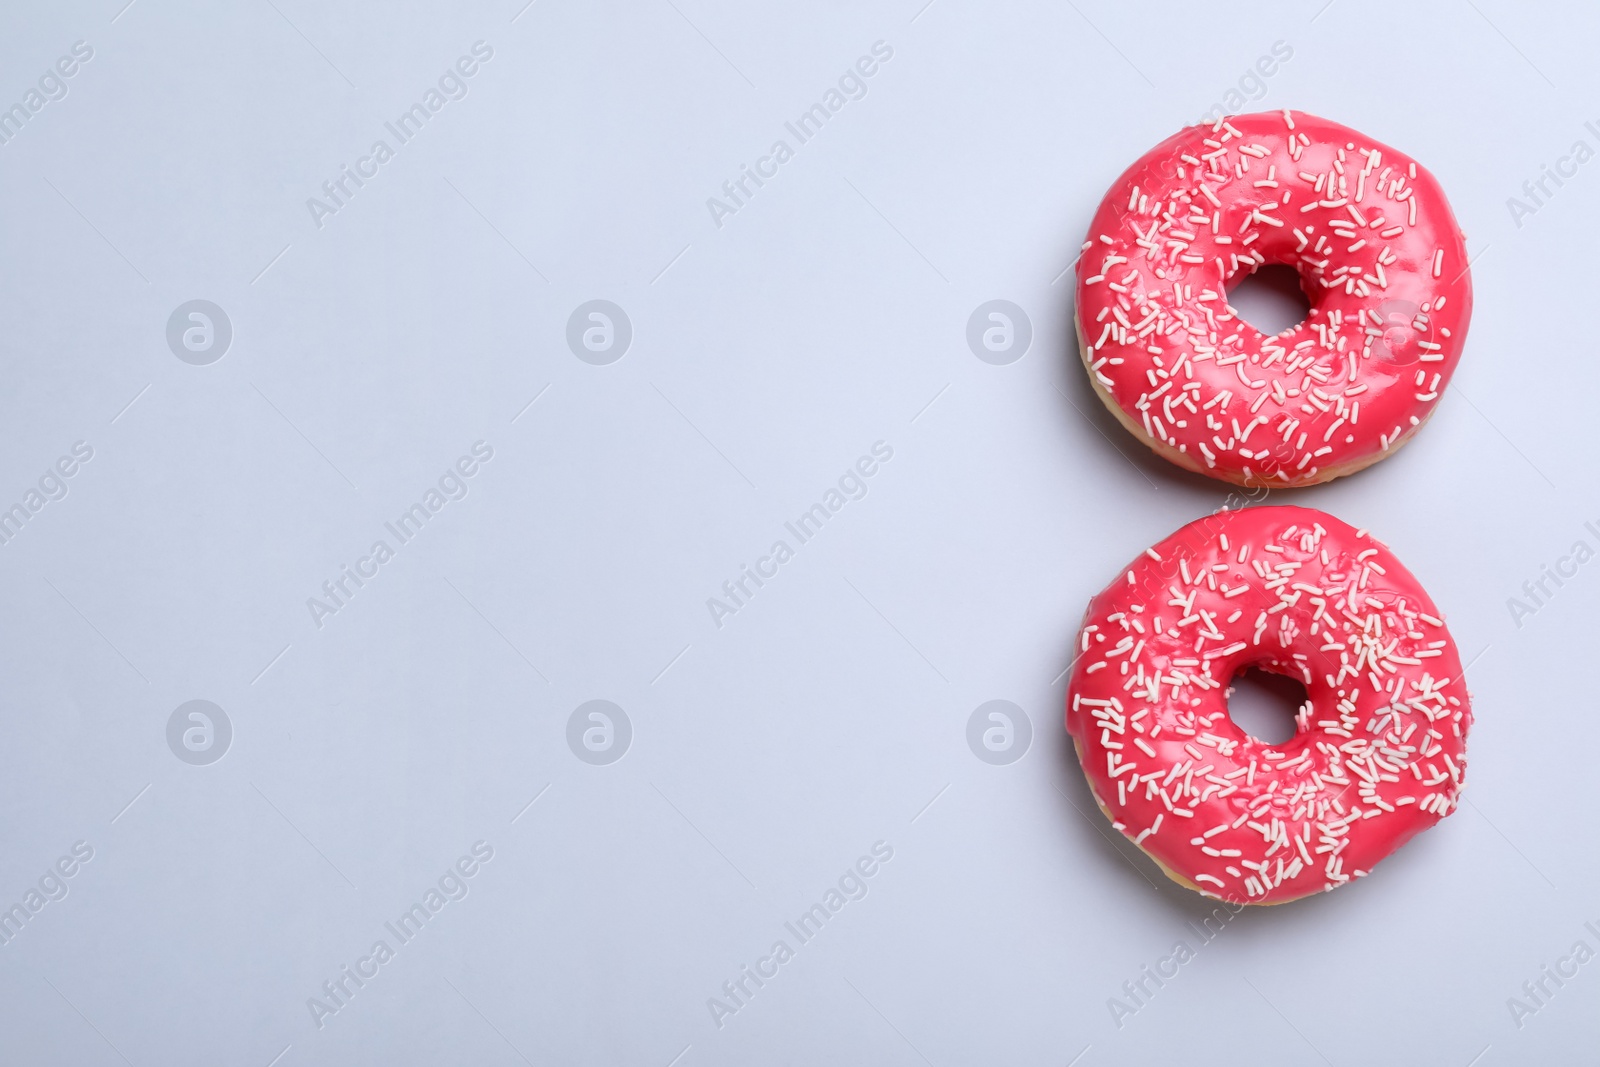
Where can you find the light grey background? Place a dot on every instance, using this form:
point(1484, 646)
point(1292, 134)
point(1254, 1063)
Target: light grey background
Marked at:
point(768, 354)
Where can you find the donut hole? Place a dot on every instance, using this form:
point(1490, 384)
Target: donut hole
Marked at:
point(1265, 704)
point(1270, 299)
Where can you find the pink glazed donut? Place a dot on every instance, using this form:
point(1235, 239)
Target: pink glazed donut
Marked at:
point(1380, 259)
point(1380, 749)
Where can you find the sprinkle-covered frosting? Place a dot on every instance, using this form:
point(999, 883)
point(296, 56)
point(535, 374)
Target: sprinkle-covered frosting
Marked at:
point(1380, 748)
point(1380, 258)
